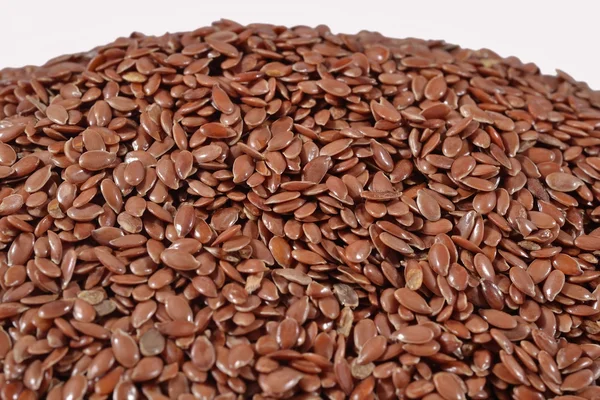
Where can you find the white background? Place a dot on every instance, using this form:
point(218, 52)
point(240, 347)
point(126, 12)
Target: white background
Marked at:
point(552, 34)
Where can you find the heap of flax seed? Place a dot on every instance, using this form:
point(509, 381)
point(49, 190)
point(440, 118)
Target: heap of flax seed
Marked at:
point(267, 212)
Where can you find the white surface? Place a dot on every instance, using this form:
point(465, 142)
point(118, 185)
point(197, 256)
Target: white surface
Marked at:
point(553, 34)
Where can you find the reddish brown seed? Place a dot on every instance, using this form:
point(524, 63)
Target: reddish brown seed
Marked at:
point(240, 356)
point(563, 182)
point(112, 263)
point(463, 166)
point(439, 258)
point(243, 167)
point(221, 100)
point(358, 251)
point(57, 114)
point(75, 387)
point(412, 300)
point(178, 308)
point(428, 206)
point(287, 333)
point(577, 380)
point(207, 153)
point(179, 260)
point(568, 355)
point(96, 160)
point(235, 293)
point(8, 156)
point(308, 257)
point(395, 243)
point(553, 284)
point(334, 87)
point(38, 179)
point(147, 369)
point(415, 334)
point(372, 350)
point(123, 104)
point(587, 242)
point(448, 385)
point(134, 173)
point(280, 380)
point(184, 220)
point(521, 279)
point(205, 286)
point(499, 319)
point(55, 309)
point(125, 349)
point(281, 251)
point(203, 353)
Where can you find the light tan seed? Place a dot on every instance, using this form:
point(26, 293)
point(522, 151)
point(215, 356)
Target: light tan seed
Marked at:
point(152, 343)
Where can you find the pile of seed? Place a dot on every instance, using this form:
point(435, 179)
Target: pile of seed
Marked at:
point(269, 212)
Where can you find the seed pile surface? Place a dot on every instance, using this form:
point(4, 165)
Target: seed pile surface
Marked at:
point(269, 212)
